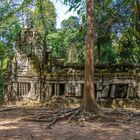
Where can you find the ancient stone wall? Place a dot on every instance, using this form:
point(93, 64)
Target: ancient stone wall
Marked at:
point(27, 76)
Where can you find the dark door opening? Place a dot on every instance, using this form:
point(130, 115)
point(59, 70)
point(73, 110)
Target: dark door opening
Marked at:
point(109, 93)
point(61, 89)
point(120, 91)
point(95, 90)
point(82, 90)
point(53, 90)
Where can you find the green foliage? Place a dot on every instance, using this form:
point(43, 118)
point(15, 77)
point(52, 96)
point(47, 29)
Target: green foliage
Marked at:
point(72, 22)
point(45, 16)
point(117, 22)
point(68, 43)
point(8, 10)
point(56, 42)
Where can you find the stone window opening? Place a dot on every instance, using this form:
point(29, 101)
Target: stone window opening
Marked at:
point(23, 88)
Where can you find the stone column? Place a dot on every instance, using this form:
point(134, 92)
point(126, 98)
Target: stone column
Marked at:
point(138, 90)
point(130, 91)
point(112, 94)
point(57, 89)
point(78, 90)
point(32, 90)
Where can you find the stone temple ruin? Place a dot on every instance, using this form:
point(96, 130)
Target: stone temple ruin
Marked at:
point(33, 74)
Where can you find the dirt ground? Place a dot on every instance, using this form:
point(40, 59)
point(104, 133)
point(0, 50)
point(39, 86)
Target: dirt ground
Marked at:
point(12, 127)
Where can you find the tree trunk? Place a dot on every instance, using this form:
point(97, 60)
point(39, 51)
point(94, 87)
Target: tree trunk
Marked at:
point(88, 102)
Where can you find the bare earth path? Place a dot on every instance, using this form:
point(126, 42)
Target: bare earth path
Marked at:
point(13, 128)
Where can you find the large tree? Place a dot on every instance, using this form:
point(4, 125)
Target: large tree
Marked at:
point(89, 97)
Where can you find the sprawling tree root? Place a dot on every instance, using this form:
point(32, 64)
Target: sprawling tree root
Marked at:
point(113, 116)
point(53, 117)
point(69, 115)
point(9, 109)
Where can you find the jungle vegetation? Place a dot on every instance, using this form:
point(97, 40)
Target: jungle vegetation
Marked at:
point(116, 30)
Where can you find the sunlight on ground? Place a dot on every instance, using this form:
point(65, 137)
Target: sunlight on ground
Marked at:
point(7, 124)
point(8, 127)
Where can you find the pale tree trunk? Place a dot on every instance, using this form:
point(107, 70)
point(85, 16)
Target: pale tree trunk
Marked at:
point(88, 102)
